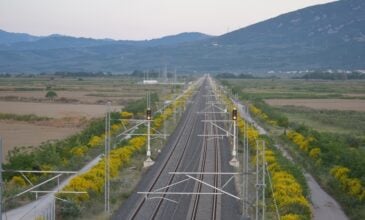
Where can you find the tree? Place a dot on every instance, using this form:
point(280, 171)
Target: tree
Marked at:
point(51, 94)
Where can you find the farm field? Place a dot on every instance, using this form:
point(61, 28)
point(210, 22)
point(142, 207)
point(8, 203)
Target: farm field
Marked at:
point(43, 133)
point(299, 89)
point(64, 120)
point(78, 102)
point(83, 97)
point(326, 105)
point(89, 90)
point(334, 121)
point(55, 110)
point(26, 134)
point(329, 104)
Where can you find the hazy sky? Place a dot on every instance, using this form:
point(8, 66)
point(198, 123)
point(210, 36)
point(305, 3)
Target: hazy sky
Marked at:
point(138, 19)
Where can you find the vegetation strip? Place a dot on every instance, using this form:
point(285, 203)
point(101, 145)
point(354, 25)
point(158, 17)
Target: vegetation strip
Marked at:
point(335, 159)
point(93, 181)
point(289, 187)
point(27, 118)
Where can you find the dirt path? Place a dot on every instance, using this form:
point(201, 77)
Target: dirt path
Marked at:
point(324, 206)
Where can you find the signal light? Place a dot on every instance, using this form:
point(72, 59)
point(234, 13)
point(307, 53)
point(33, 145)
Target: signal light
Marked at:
point(234, 114)
point(148, 114)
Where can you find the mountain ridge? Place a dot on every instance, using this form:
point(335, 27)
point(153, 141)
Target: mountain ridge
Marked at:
point(23, 41)
point(327, 36)
point(8, 37)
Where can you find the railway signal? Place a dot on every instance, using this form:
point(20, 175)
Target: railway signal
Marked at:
point(148, 162)
point(234, 114)
point(148, 114)
point(234, 162)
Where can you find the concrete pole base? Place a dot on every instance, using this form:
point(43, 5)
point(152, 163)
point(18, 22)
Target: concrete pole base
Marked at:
point(148, 162)
point(234, 162)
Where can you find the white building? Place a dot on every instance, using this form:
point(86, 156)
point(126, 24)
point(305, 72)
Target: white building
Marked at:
point(149, 82)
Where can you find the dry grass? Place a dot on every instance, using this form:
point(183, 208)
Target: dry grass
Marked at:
point(84, 97)
point(25, 134)
point(330, 104)
point(55, 110)
point(78, 101)
point(361, 95)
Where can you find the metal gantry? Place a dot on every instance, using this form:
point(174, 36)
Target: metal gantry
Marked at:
point(231, 132)
point(212, 108)
point(245, 178)
point(189, 176)
point(260, 180)
point(147, 121)
point(261, 168)
point(50, 213)
point(128, 132)
point(245, 157)
point(261, 172)
point(107, 161)
point(46, 210)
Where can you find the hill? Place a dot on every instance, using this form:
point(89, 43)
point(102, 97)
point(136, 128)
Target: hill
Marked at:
point(324, 36)
point(15, 41)
point(328, 36)
point(8, 38)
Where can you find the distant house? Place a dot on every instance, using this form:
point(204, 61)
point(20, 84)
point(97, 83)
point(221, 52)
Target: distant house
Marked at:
point(150, 82)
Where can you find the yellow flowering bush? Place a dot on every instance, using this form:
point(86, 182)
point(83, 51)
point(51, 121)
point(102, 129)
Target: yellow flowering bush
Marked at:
point(353, 186)
point(291, 217)
point(79, 151)
point(126, 115)
point(93, 180)
point(286, 189)
point(115, 128)
point(301, 141)
point(252, 133)
point(95, 141)
point(257, 112)
point(138, 142)
point(315, 152)
point(18, 181)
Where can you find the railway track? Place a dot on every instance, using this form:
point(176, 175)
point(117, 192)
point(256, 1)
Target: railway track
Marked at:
point(154, 214)
point(217, 179)
point(214, 180)
point(185, 136)
point(200, 176)
point(184, 152)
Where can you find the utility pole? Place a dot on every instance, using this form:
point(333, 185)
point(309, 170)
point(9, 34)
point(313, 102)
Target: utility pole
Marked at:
point(164, 129)
point(263, 180)
point(1, 178)
point(257, 181)
point(107, 161)
point(245, 178)
point(260, 183)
